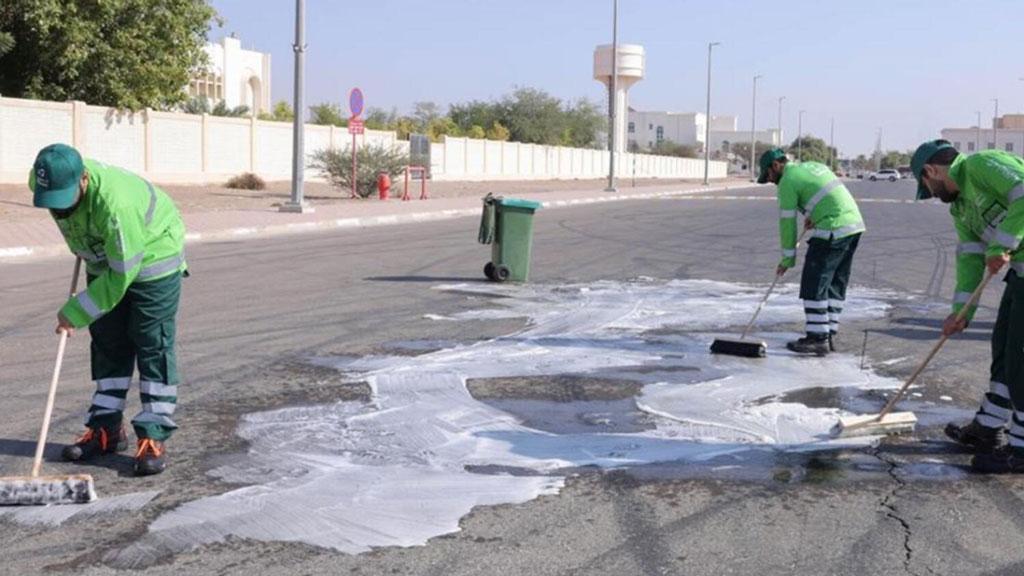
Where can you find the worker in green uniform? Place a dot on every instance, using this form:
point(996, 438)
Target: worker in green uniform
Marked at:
point(131, 237)
point(984, 192)
point(829, 208)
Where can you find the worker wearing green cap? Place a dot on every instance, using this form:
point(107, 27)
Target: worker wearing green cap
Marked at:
point(830, 210)
point(131, 238)
point(984, 192)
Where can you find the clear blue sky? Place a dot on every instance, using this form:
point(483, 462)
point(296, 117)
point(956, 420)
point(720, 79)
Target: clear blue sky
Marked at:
point(908, 66)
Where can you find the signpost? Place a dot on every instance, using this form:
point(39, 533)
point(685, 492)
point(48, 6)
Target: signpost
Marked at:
point(355, 127)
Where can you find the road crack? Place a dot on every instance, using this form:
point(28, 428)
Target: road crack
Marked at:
point(888, 503)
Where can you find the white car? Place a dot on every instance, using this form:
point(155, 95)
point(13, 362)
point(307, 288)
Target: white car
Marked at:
point(889, 174)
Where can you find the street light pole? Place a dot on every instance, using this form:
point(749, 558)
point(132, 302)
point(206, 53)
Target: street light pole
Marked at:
point(781, 98)
point(753, 126)
point(831, 143)
point(707, 119)
point(800, 136)
point(977, 133)
point(614, 97)
point(296, 203)
point(995, 126)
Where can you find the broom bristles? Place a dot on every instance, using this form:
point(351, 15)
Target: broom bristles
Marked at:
point(46, 490)
point(747, 348)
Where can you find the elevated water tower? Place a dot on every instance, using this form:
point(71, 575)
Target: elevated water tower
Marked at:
point(630, 71)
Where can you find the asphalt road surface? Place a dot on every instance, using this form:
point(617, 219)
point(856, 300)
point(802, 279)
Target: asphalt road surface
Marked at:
point(254, 312)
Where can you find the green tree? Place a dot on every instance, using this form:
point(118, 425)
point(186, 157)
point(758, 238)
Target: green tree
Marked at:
point(282, 112)
point(442, 126)
point(497, 131)
point(476, 131)
point(121, 53)
point(533, 116)
point(221, 109)
point(425, 113)
point(895, 159)
point(405, 126)
point(584, 122)
point(475, 113)
point(812, 150)
point(380, 119)
point(327, 114)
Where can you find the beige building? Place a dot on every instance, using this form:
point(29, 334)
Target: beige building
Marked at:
point(236, 76)
point(1004, 133)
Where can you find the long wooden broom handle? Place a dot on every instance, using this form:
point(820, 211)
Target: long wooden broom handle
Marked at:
point(770, 289)
point(38, 460)
point(975, 296)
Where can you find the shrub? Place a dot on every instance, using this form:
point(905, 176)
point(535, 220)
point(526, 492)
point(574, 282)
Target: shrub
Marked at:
point(247, 181)
point(336, 166)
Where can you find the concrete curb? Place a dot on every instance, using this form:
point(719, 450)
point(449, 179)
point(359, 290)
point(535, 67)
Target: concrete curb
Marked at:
point(31, 253)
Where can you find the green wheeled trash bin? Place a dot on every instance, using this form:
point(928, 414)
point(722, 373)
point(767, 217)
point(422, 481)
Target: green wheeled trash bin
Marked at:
point(507, 225)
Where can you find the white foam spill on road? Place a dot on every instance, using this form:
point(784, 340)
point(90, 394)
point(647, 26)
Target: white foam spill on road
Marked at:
point(58, 514)
point(405, 467)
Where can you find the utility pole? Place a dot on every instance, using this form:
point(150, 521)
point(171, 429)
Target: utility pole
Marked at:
point(707, 119)
point(878, 150)
point(753, 127)
point(995, 126)
point(614, 97)
point(296, 204)
point(832, 143)
point(800, 136)
point(977, 133)
point(779, 126)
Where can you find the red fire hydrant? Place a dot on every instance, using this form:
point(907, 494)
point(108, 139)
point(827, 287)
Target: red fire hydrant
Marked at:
point(383, 185)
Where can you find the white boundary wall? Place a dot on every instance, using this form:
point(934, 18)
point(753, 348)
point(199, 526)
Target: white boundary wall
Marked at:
point(173, 147)
point(468, 159)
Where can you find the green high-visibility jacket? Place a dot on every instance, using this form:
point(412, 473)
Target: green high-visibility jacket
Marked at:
point(815, 191)
point(127, 230)
point(988, 214)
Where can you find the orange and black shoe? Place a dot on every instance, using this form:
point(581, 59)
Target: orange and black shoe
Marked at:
point(150, 457)
point(96, 442)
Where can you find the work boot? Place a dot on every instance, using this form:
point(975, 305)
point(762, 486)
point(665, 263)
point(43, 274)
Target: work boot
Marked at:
point(95, 442)
point(150, 458)
point(981, 439)
point(810, 345)
point(1004, 460)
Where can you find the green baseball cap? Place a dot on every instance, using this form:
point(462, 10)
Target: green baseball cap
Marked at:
point(921, 157)
point(766, 162)
point(55, 176)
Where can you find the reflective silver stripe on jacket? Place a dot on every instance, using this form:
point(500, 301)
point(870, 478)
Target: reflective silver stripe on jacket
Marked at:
point(784, 214)
point(152, 203)
point(90, 256)
point(961, 298)
point(87, 304)
point(789, 253)
point(821, 193)
point(1016, 193)
point(841, 232)
point(1006, 240)
point(125, 266)
point(970, 248)
point(163, 267)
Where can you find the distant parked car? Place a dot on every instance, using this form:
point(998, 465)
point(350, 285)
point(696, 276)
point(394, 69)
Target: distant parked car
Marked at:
point(889, 174)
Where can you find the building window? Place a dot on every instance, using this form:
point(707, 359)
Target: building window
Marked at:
point(660, 135)
point(632, 127)
point(650, 126)
point(970, 146)
point(956, 145)
point(1009, 146)
point(991, 145)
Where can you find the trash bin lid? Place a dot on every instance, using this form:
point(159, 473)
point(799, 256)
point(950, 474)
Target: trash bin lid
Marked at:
point(515, 203)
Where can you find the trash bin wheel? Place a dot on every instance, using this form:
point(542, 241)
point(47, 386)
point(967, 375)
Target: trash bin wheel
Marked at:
point(489, 270)
point(501, 273)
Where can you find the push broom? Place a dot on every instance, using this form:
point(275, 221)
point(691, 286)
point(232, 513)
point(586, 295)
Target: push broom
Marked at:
point(886, 421)
point(742, 346)
point(36, 489)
